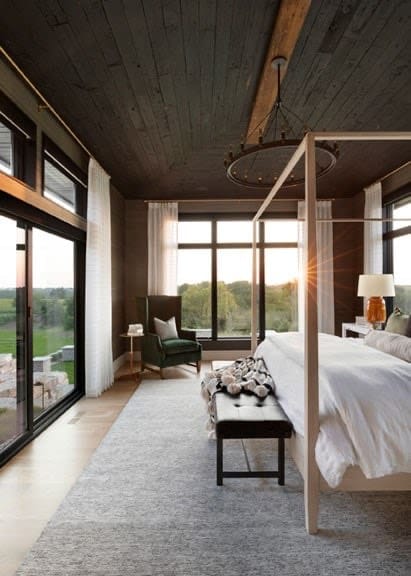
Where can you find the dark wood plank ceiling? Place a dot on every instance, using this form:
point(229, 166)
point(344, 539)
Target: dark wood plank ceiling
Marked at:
point(158, 90)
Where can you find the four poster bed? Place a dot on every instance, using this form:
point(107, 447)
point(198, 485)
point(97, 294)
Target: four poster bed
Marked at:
point(300, 369)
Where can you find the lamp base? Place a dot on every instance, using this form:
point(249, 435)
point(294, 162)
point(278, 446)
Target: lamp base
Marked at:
point(376, 312)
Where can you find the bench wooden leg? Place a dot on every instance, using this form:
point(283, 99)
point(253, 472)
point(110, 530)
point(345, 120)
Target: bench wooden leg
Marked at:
point(279, 473)
point(219, 461)
point(281, 461)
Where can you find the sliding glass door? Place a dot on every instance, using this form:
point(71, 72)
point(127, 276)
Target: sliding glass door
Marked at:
point(41, 334)
point(13, 333)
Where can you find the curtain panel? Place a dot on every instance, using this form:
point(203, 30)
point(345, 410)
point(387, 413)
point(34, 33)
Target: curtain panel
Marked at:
point(98, 332)
point(325, 268)
point(373, 245)
point(373, 230)
point(162, 248)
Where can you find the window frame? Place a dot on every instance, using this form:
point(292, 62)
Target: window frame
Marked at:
point(30, 217)
point(389, 234)
point(237, 342)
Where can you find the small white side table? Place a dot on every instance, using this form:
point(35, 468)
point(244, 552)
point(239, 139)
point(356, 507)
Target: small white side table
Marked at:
point(361, 329)
point(131, 352)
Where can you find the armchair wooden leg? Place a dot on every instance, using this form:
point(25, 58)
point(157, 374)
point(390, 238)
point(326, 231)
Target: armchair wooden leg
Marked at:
point(162, 374)
point(198, 366)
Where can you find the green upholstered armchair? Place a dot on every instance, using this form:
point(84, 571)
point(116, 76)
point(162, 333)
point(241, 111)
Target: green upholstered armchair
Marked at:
point(163, 353)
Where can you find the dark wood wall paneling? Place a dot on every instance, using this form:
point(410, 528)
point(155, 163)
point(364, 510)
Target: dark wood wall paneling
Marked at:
point(136, 256)
point(118, 252)
point(397, 180)
point(348, 259)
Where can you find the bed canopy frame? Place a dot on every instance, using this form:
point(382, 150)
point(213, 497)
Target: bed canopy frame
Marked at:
point(307, 463)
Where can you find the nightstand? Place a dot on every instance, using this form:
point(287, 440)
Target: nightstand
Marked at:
point(361, 329)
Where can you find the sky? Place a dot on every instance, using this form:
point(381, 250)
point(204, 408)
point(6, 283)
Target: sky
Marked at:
point(233, 265)
point(52, 258)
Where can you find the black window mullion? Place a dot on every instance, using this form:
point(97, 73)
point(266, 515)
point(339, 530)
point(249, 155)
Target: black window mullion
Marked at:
point(387, 242)
point(214, 310)
point(79, 313)
point(261, 287)
point(29, 328)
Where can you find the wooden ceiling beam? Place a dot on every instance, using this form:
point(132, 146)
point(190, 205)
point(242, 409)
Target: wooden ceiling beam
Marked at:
point(290, 19)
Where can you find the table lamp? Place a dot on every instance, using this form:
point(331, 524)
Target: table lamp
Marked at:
point(375, 287)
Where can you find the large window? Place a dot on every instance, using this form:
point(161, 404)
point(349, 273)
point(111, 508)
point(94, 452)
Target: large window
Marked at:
point(63, 182)
point(6, 149)
point(397, 244)
point(58, 187)
point(215, 272)
point(17, 142)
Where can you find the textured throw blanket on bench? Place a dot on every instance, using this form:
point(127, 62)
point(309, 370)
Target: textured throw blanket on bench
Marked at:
point(244, 375)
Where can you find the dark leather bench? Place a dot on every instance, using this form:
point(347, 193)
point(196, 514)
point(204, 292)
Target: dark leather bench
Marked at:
point(246, 416)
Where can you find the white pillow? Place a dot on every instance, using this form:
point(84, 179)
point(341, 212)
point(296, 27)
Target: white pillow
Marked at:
point(390, 343)
point(166, 330)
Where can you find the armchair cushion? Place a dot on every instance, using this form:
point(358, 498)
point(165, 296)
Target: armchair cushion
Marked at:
point(166, 329)
point(179, 346)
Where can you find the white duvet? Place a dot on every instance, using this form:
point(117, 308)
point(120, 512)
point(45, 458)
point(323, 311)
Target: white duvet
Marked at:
point(365, 403)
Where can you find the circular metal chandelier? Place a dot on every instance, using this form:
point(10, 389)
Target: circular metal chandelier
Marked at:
point(260, 165)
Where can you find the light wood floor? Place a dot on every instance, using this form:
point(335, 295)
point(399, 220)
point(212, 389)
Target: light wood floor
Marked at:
point(34, 482)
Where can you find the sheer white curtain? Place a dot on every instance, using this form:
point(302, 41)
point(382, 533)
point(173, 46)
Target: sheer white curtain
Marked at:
point(373, 230)
point(325, 268)
point(162, 248)
point(98, 348)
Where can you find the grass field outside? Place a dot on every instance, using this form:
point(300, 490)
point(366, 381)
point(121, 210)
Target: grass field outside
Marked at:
point(46, 341)
point(7, 305)
point(67, 367)
point(50, 340)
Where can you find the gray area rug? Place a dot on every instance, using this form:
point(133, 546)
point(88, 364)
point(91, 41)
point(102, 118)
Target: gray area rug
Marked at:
point(148, 505)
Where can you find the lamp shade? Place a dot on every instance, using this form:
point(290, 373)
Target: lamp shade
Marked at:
point(376, 285)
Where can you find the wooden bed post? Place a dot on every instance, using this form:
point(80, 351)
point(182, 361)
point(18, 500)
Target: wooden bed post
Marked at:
point(311, 405)
point(281, 179)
